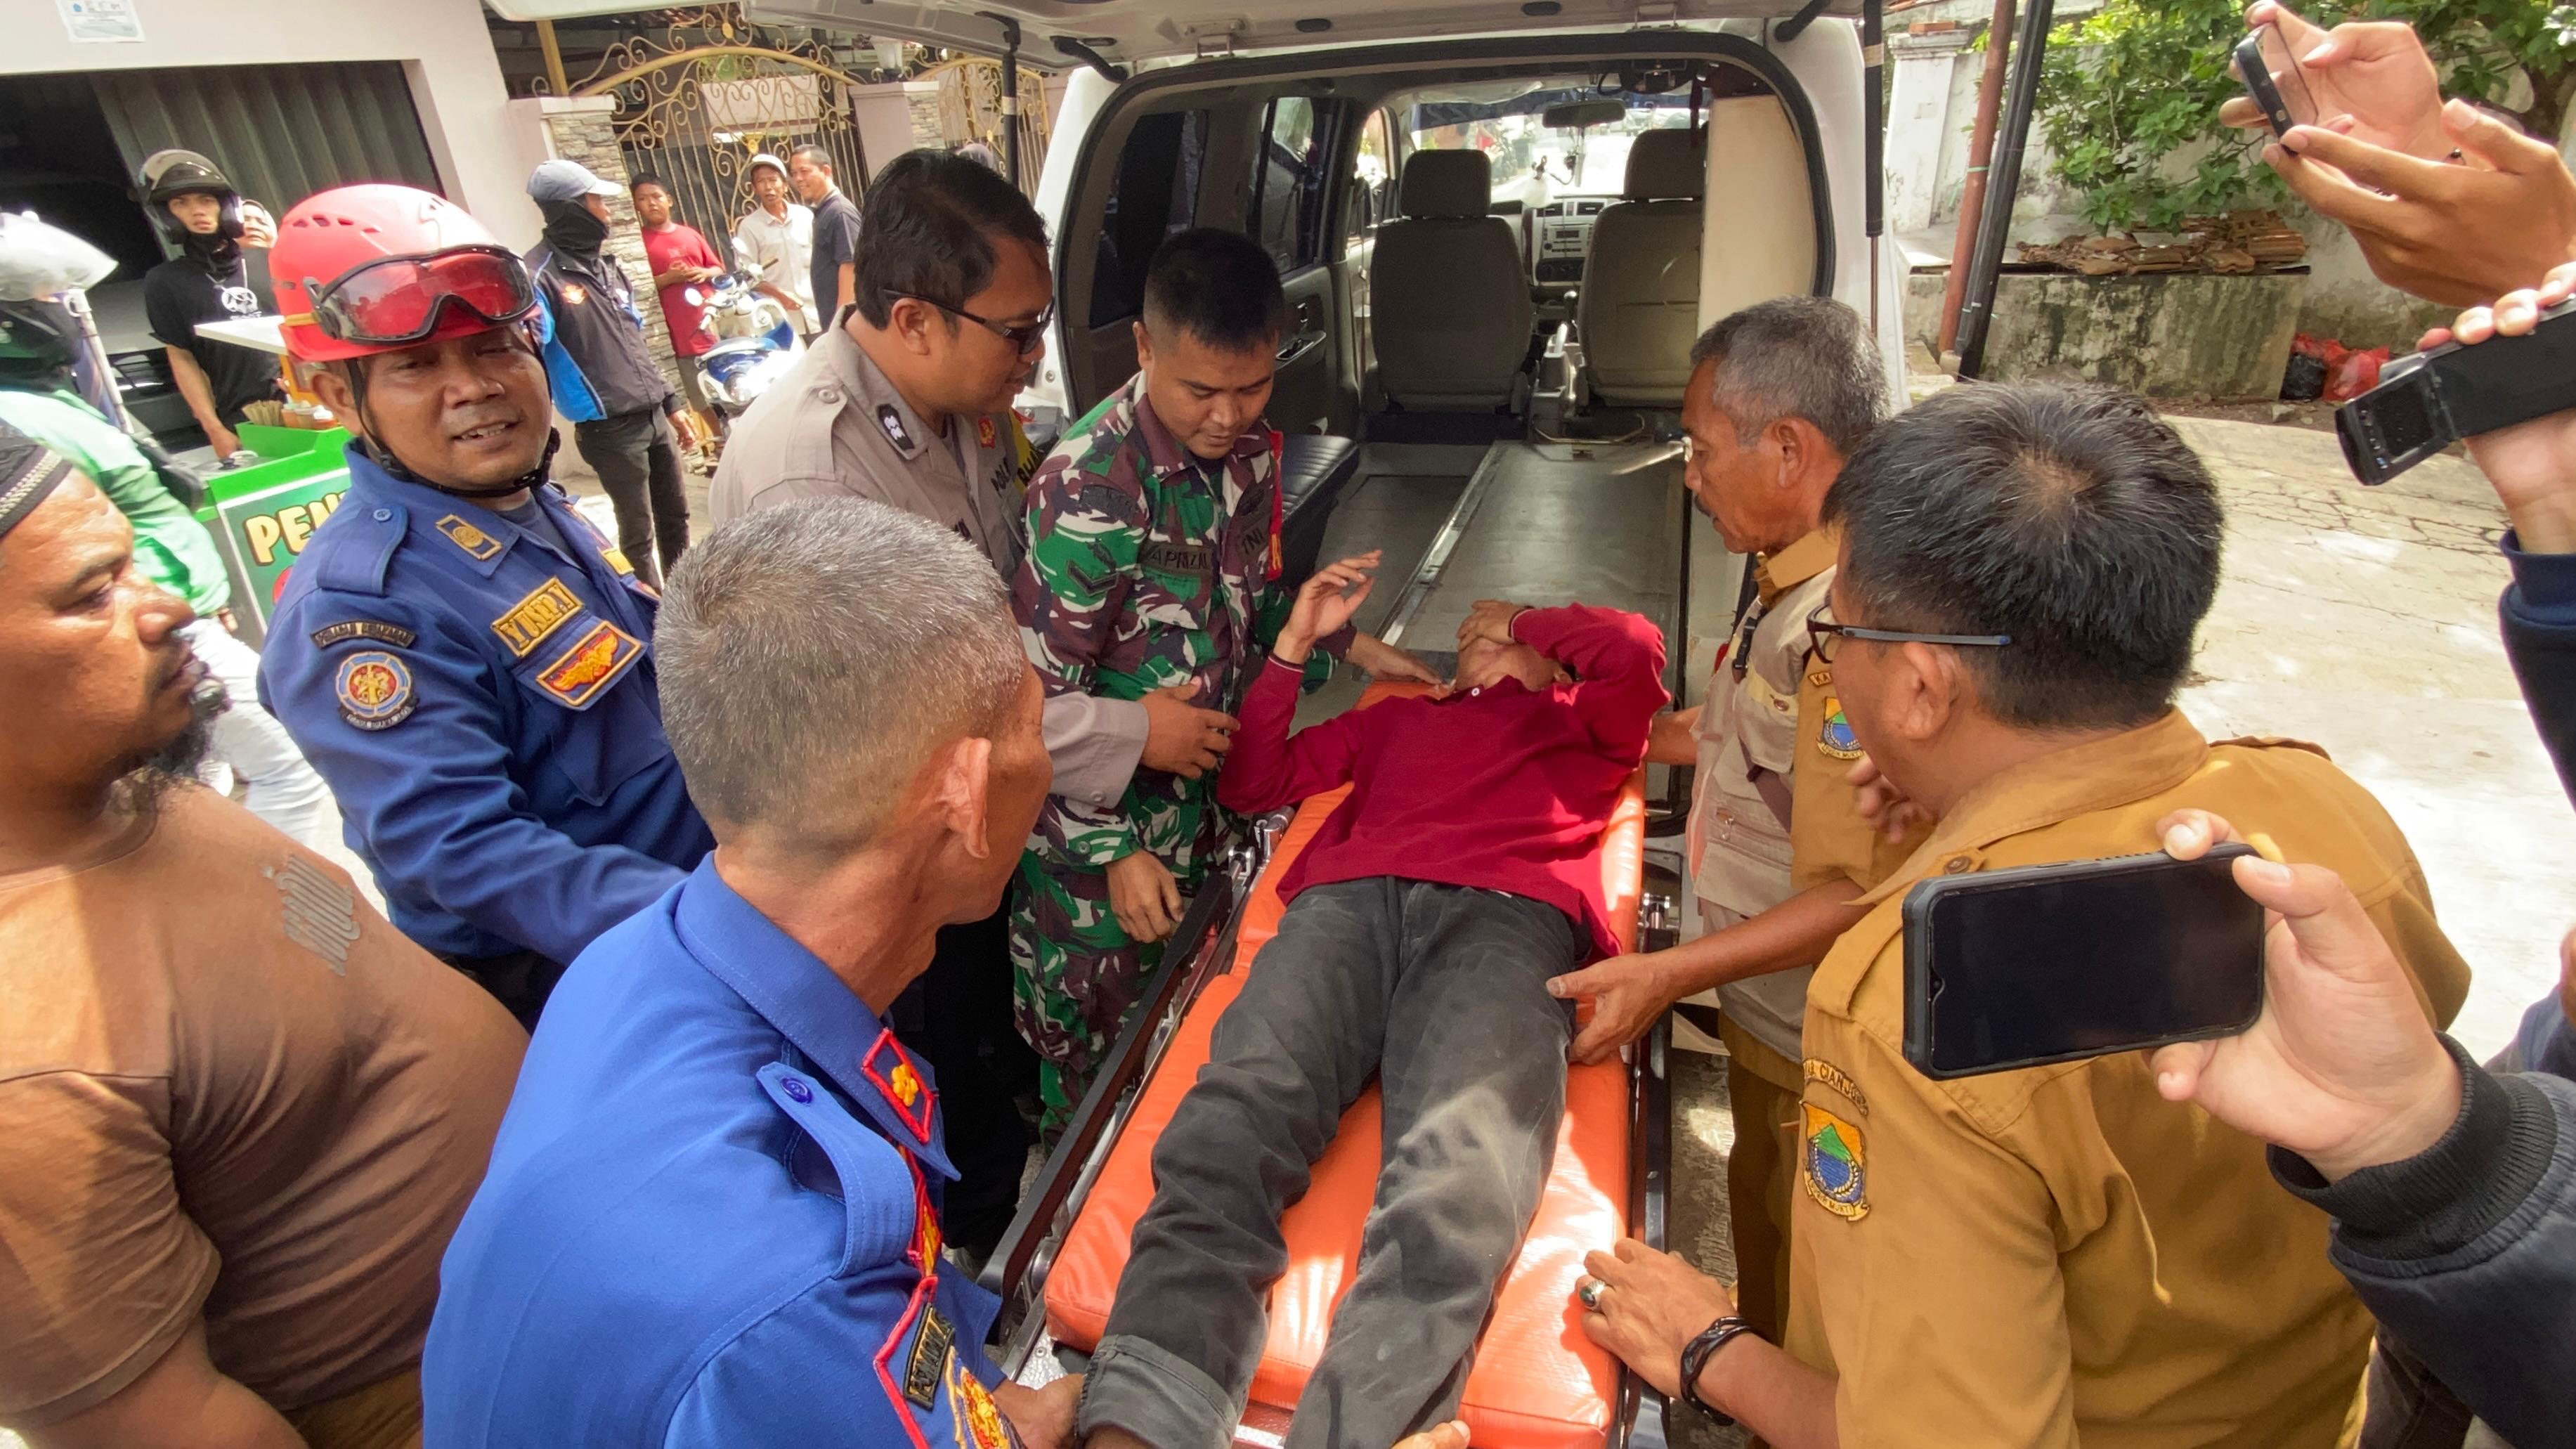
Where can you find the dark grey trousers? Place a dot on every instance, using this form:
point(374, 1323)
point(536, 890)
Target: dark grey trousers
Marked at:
point(637, 458)
point(1439, 991)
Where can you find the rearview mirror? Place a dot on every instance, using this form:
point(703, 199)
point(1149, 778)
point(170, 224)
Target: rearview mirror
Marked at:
point(1575, 115)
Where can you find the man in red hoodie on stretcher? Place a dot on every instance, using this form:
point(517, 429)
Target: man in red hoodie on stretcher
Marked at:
point(1422, 926)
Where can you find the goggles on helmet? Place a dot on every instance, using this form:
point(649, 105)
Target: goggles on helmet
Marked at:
point(397, 301)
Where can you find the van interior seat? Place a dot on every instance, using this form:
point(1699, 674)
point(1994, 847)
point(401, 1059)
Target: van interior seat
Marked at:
point(1315, 469)
point(1449, 300)
point(1638, 312)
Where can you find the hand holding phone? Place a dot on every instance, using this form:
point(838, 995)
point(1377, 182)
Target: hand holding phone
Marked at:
point(2370, 79)
point(2341, 1066)
point(2273, 79)
point(2018, 968)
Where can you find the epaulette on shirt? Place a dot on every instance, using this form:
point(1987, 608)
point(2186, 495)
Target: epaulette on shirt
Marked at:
point(361, 551)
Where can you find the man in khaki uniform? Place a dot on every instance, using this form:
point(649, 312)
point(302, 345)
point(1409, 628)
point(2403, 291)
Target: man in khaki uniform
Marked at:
point(2054, 1255)
point(1780, 393)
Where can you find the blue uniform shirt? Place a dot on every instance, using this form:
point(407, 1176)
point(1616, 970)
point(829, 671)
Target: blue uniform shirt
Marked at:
point(710, 1216)
point(484, 708)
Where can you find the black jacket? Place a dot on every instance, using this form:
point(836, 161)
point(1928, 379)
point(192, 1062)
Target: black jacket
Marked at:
point(2466, 1253)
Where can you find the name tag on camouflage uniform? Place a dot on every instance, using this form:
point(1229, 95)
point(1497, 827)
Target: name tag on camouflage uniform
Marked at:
point(1190, 560)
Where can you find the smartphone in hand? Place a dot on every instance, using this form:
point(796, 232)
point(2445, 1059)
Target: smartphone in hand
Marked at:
point(2051, 963)
point(2272, 77)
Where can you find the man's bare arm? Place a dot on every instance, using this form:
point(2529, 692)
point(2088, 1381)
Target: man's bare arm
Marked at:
point(1674, 739)
point(181, 1402)
point(201, 400)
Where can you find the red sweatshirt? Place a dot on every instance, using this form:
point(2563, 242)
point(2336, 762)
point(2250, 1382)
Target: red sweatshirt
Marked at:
point(1503, 788)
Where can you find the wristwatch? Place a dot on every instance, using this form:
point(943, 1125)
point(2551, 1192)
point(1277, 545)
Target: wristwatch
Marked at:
point(1695, 1357)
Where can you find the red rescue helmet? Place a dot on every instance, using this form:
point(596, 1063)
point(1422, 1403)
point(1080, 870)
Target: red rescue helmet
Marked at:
point(362, 270)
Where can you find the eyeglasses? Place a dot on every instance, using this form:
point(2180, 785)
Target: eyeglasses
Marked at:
point(1823, 635)
point(399, 300)
point(1024, 339)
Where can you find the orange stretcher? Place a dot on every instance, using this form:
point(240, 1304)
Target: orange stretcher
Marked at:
point(1538, 1382)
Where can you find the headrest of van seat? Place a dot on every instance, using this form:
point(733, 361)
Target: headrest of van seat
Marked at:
point(1667, 163)
point(1446, 183)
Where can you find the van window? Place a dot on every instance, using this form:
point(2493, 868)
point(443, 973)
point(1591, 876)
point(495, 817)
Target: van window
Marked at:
point(1372, 191)
point(1533, 161)
point(1289, 166)
point(1156, 193)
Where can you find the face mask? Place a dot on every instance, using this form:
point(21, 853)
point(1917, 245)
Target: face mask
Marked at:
point(572, 229)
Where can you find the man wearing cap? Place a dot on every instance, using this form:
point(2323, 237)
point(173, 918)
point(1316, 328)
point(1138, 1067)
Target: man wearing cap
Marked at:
point(629, 424)
point(778, 231)
point(463, 656)
point(244, 1114)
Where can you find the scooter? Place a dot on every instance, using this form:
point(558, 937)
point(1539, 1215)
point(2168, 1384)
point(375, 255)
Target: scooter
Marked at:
point(756, 342)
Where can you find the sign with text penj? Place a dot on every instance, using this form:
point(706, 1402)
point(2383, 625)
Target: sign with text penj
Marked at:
point(265, 531)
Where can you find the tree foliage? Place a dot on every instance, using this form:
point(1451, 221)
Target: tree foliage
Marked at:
point(2131, 92)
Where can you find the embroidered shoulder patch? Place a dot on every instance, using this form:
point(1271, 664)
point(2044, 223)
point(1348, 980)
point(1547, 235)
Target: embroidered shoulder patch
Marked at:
point(1835, 737)
point(892, 422)
point(376, 629)
point(477, 544)
point(617, 560)
point(987, 434)
point(983, 1420)
point(888, 1067)
point(594, 661)
point(375, 690)
point(1821, 678)
point(531, 619)
point(1833, 1164)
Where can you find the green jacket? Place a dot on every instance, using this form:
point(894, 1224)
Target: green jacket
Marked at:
point(171, 547)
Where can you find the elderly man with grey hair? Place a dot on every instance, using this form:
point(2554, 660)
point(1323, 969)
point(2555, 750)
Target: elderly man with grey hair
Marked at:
point(711, 1215)
point(1780, 394)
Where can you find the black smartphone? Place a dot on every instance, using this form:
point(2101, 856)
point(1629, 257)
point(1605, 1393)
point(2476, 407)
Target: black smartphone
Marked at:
point(2053, 963)
point(2273, 78)
point(2432, 399)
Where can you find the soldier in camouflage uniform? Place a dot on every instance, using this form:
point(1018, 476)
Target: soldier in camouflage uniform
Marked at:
point(1152, 563)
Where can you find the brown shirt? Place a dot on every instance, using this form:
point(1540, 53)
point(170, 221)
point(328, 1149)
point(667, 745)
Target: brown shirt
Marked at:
point(230, 1089)
point(2059, 1254)
point(1772, 740)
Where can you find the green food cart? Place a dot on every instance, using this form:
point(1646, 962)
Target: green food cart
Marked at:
point(263, 514)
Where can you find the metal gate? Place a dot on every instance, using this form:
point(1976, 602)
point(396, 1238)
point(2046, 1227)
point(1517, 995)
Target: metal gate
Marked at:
point(697, 103)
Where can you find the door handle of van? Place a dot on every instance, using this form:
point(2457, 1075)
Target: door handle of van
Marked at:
point(1299, 345)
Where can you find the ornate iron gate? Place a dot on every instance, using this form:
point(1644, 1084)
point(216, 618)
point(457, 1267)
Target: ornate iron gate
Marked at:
point(694, 108)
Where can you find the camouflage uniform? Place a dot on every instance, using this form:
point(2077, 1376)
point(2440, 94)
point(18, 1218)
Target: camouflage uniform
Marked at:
point(1147, 567)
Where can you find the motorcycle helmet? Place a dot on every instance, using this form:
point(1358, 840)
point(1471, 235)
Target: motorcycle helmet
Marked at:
point(40, 341)
point(181, 173)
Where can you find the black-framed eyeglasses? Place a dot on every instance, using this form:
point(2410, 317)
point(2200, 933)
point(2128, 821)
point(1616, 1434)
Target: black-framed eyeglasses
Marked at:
point(1024, 338)
point(1823, 635)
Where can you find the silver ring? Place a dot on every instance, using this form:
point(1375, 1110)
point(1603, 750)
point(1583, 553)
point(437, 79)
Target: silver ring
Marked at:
point(1589, 1291)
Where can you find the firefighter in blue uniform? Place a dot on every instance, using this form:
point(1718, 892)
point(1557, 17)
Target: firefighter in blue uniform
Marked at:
point(710, 1217)
point(466, 660)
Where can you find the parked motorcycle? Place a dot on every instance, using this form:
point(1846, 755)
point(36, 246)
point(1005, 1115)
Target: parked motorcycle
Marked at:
point(756, 342)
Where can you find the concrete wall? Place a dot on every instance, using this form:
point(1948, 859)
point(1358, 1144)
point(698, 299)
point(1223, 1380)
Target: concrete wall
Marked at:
point(2180, 334)
point(442, 45)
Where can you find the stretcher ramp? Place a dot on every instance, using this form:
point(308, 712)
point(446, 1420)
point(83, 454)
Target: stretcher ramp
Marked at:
point(1537, 1382)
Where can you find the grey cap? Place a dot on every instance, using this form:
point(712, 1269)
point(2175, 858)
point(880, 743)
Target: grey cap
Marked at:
point(561, 180)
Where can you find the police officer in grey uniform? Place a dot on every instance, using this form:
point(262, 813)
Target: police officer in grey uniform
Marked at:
point(906, 400)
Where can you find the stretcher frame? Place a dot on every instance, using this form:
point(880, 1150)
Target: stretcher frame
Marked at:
point(1203, 949)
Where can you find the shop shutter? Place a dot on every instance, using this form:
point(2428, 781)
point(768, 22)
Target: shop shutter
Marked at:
point(281, 132)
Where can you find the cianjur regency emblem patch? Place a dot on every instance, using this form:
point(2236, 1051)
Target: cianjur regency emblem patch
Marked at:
point(1833, 1164)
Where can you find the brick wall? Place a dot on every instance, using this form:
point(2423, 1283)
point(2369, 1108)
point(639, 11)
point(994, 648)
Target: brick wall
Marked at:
point(586, 136)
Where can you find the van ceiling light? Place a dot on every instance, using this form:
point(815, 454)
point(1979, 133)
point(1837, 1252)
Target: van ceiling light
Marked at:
point(1314, 25)
point(1541, 9)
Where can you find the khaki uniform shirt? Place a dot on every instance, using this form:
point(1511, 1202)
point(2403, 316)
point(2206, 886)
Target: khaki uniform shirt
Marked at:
point(1772, 711)
point(835, 427)
point(2056, 1255)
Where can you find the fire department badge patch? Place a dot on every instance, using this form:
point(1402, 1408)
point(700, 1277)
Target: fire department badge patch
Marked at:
point(375, 690)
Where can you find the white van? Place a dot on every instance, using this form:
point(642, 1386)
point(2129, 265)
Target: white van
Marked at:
point(1500, 225)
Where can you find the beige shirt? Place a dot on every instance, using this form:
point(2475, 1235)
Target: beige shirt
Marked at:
point(232, 1090)
point(2058, 1255)
point(783, 246)
point(1771, 811)
point(836, 427)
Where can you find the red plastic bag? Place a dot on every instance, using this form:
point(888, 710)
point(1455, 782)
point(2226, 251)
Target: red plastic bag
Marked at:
point(2354, 373)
